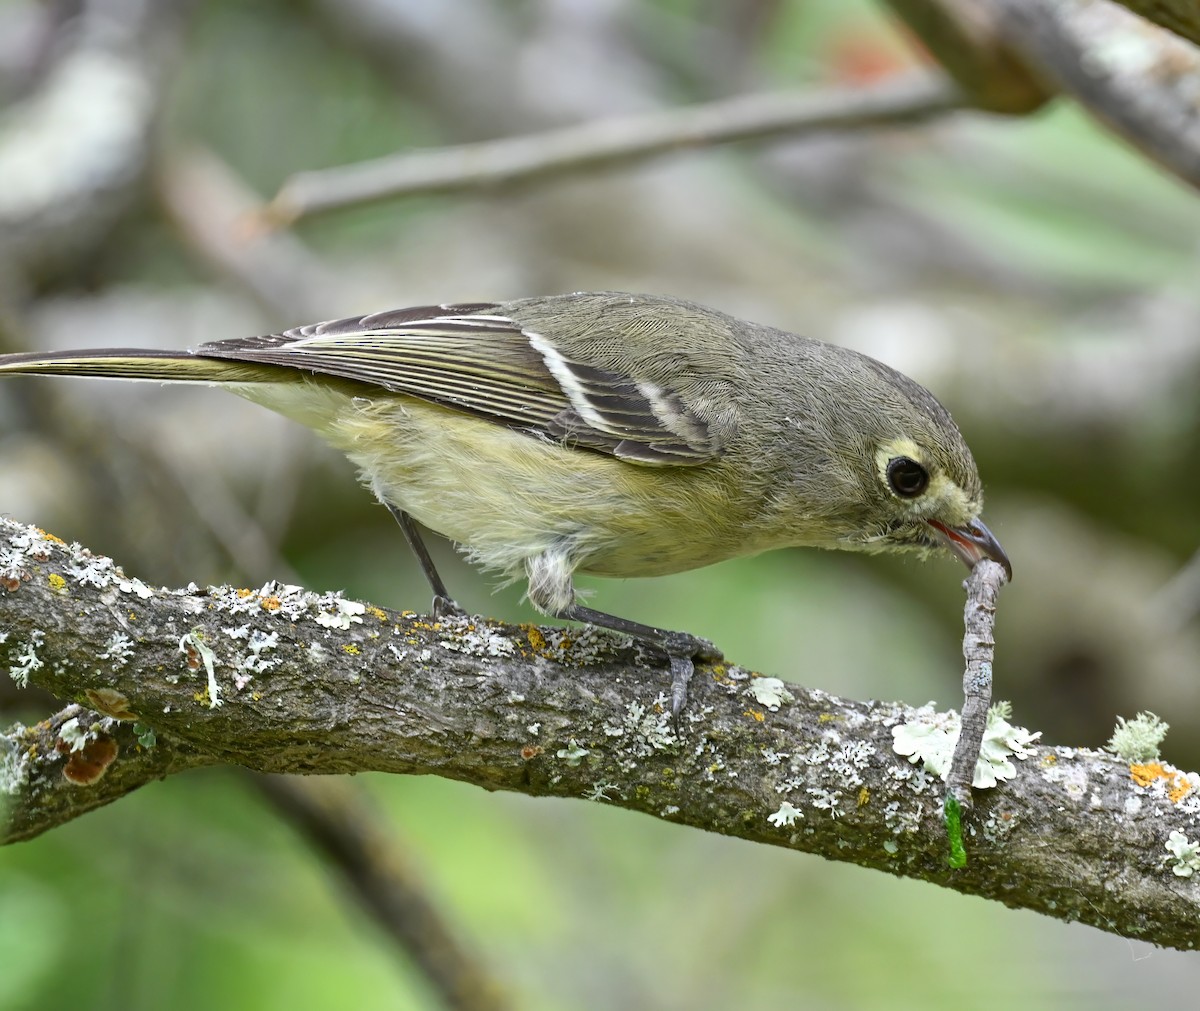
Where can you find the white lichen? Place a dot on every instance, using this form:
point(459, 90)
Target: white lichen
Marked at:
point(771, 693)
point(826, 800)
point(14, 764)
point(340, 613)
point(260, 643)
point(26, 661)
point(92, 570)
point(1139, 739)
point(118, 649)
point(1185, 855)
point(73, 734)
point(850, 759)
point(930, 737)
point(1071, 776)
point(134, 586)
point(462, 635)
point(644, 729)
point(599, 791)
point(194, 642)
point(572, 754)
point(787, 815)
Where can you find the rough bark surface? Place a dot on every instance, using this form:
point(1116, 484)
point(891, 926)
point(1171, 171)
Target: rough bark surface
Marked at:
point(331, 686)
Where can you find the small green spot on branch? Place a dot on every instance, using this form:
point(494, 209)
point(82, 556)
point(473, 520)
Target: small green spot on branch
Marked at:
point(953, 816)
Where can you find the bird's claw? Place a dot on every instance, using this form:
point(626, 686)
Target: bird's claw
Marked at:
point(682, 650)
point(682, 669)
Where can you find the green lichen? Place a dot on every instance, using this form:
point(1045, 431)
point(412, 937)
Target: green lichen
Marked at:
point(1138, 740)
point(572, 754)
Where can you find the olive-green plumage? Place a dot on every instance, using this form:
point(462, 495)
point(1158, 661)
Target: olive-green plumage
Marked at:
point(623, 435)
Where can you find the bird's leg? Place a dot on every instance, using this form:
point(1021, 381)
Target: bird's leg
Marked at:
point(552, 591)
point(682, 648)
point(443, 604)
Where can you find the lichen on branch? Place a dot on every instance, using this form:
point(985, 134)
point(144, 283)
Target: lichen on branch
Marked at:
point(314, 683)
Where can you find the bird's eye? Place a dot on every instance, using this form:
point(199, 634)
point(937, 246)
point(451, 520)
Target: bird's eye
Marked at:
point(907, 477)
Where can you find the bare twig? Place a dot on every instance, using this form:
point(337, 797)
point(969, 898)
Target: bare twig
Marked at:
point(328, 686)
point(614, 141)
point(979, 646)
point(339, 824)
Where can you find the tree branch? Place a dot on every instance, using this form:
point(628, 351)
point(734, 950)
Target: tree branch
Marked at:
point(1180, 16)
point(963, 38)
point(1135, 77)
point(313, 683)
point(589, 146)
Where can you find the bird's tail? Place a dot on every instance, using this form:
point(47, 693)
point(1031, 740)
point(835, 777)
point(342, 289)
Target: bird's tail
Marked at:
point(133, 363)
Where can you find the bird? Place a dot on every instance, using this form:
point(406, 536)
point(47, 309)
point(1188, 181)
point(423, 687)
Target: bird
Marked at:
point(608, 433)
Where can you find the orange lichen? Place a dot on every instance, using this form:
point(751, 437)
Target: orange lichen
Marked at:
point(270, 604)
point(754, 714)
point(50, 537)
point(864, 797)
point(531, 751)
point(244, 593)
point(1180, 790)
point(1145, 773)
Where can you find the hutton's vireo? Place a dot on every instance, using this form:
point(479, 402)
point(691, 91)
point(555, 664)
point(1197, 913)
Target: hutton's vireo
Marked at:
point(616, 434)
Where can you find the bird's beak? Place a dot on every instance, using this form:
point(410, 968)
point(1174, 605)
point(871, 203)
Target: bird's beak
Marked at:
point(972, 542)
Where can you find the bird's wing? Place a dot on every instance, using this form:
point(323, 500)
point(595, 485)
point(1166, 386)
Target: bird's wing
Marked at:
point(473, 358)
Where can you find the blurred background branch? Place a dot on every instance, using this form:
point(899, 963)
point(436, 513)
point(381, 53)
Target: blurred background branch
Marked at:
point(352, 838)
point(609, 143)
point(1136, 78)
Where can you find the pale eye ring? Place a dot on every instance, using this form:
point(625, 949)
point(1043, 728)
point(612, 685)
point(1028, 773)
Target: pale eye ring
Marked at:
point(906, 477)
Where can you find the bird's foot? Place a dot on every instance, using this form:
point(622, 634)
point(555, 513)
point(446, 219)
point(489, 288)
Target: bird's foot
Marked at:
point(444, 607)
point(683, 650)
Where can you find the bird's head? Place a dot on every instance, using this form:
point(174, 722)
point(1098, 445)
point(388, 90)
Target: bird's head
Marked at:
point(912, 473)
point(929, 496)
